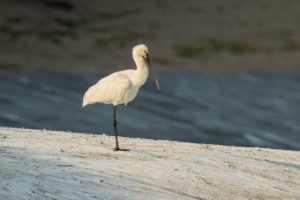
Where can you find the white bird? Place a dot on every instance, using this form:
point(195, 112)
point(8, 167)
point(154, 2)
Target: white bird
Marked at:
point(121, 87)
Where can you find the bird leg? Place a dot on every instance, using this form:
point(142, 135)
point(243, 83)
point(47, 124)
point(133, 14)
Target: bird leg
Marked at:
point(115, 128)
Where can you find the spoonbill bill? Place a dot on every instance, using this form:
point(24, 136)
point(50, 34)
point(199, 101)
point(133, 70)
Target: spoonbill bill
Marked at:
point(121, 87)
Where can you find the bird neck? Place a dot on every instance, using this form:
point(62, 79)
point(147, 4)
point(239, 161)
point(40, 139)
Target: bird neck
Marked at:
point(141, 72)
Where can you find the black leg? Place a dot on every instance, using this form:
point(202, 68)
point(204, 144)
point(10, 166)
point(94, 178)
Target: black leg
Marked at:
point(115, 128)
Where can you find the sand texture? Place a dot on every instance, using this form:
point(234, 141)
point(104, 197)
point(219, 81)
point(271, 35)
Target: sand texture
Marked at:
point(42, 164)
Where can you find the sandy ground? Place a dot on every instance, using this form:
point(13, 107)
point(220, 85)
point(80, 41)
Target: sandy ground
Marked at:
point(41, 164)
point(97, 36)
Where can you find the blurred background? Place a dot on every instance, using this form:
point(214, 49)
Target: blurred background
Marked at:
point(228, 70)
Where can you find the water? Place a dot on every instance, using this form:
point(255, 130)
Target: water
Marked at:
point(254, 109)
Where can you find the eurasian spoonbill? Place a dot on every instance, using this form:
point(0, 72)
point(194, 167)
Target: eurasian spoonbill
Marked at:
point(121, 87)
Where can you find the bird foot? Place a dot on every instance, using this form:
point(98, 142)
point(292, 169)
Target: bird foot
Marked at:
point(116, 149)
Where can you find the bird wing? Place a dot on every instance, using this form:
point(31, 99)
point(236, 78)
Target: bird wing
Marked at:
point(110, 89)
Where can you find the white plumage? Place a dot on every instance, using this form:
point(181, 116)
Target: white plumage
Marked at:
point(110, 90)
point(121, 87)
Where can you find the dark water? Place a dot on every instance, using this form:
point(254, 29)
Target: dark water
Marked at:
point(247, 109)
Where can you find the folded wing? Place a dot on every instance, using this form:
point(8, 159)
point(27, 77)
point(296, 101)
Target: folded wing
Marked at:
point(110, 89)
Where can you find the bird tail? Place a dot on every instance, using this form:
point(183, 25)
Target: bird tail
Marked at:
point(88, 97)
point(84, 104)
point(85, 100)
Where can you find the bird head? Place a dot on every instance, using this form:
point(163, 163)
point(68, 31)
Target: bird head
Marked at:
point(142, 51)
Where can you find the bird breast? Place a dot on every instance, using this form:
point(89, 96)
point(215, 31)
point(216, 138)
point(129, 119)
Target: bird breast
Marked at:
point(130, 94)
